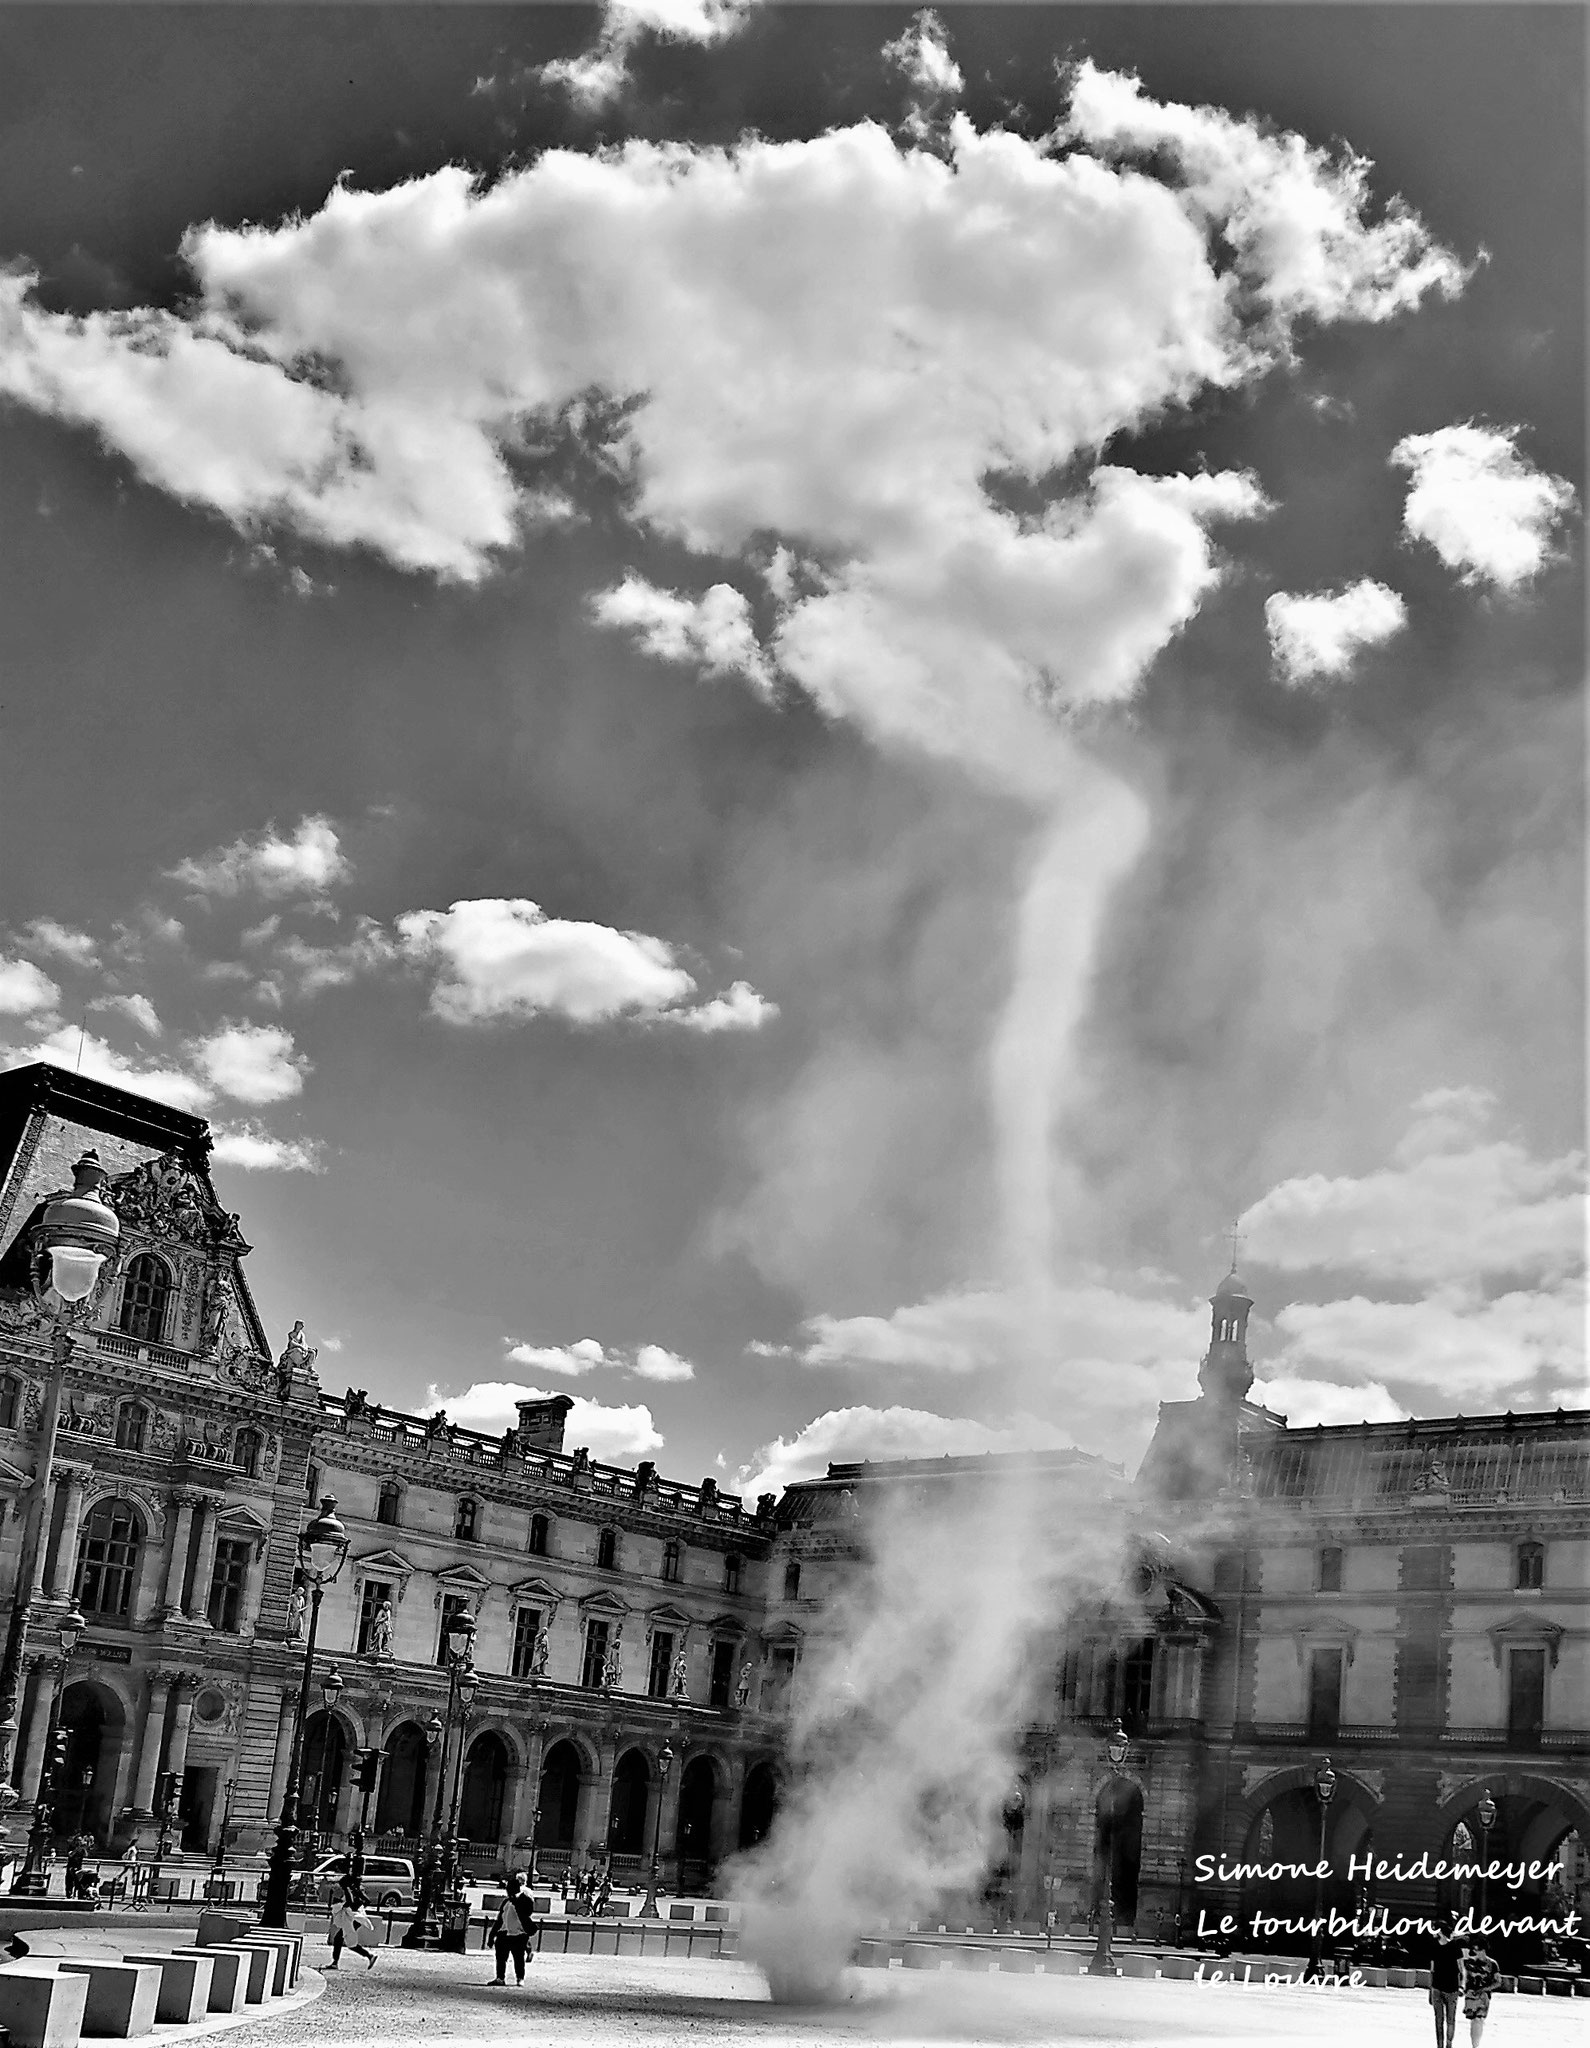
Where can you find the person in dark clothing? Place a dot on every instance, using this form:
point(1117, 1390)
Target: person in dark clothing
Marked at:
point(1446, 1981)
point(1480, 1978)
point(513, 1930)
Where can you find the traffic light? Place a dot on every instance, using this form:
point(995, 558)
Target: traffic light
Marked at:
point(369, 1769)
point(58, 1748)
point(165, 1786)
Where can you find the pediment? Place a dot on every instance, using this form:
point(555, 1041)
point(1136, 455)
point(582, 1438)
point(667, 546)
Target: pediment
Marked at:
point(535, 1593)
point(668, 1617)
point(12, 1475)
point(462, 1578)
point(1330, 1634)
point(603, 1603)
point(727, 1625)
point(1525, 1632)
point(783, 1632)
point(376, 1563)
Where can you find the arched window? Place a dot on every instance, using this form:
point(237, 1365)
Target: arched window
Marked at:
point(607, 1550)
point(731, 1573)
point(107, 1560)
point(1330, 1569)
point(10, 1402)
point(143, 1298)
point(792, 1579)
point(388, 1503)
point(670, 1568)
point(247, 1446)
point(1531, 1567)
point(466, 1521)
point(131, 1421)
point(540, 1530)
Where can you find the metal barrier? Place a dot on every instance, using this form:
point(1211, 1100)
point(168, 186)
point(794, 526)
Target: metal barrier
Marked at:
point(581, 1937)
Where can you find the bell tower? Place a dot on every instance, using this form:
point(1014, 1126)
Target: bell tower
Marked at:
point(1225, 1374)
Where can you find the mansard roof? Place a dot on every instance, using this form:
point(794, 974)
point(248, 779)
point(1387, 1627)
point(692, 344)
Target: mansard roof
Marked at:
point(1469, 1459)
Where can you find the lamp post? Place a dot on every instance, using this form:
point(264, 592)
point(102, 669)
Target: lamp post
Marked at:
point(31, 1877)
point(218, 1873)
point(1485, 1814)
point(330, 1692)
point(424, 1930)
point(451, 1877)
point(369, 1773)
point(78, 1232)
point(1102, 1962)
point(665, 1759)
point(322, 1548)
point(1325, 1792)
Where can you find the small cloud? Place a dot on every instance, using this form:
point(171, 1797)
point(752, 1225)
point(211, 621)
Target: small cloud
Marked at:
point(1320, 635)
point(45, 935)
point(252, 1062)
point(600, 74)
point(26, 990)
point(653, 1363)
point(1307, 1402)
point(714, 631)
point(614, 1435)
point(922, 54)
point(138, 1008)
point(843, 1435)
point(253, 1149)
point(739, 1008)
point(1489, 513)
point(331, 1343)
point(568, 1361)
point(306, 866)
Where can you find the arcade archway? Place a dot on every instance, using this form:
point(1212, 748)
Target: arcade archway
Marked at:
point(758, 1805)
point(400, 1804)
point(562, 1771)
point(485, 1784)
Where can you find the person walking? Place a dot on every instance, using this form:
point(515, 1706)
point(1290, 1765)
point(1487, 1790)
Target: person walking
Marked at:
point(1480, 1977)
point(1446, 1981)
point(351, 1925)
point(511, 1935)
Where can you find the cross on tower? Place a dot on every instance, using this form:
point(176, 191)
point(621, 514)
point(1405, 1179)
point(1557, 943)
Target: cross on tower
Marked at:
point(1236, 1243)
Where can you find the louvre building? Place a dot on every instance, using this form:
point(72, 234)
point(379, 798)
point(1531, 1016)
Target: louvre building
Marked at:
point(1410, 1599)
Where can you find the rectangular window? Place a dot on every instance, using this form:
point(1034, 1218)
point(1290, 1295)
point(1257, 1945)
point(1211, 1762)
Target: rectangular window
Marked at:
point(387, 1504)
point(792, 1579)
point(720, 1689)
point(595, 1655)
point(1137, 1683)
point(225, 1609)
point(1330, 1571)
point(538, 1535)
point(371, 1595)
point(8, 1404)
point(607, 1550)
point(1324, 1693)
point(453, 1605)
point(670, 1564)
point(466, 1521)
point(1526, 1696)
point(775, 1687)
point(731, 1573)
point(526, 1628)
point(662, 1661)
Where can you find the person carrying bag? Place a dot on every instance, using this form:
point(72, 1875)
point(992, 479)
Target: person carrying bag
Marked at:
point(512, 1931)
point(351, 1926)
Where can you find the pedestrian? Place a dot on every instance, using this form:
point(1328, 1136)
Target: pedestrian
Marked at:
point(1480, 1976)
point(604, 1893)
point(351, 1926)
point(512, 1932)
point(1446, 1980)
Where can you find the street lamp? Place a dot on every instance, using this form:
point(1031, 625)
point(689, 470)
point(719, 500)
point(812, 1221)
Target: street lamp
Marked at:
point(665, 1759)
point(322, 1549)
point(31, 1877)
point(451, 1878)
point(1116, 1744)
point(436, 1869)
point(77, 1233)
point(1485, 1814)
point(1325, 1792)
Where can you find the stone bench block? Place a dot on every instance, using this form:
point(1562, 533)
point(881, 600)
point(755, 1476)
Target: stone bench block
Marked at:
point(981, 1960)
point(1182, 1969)
point(1400, 1980)
point(40, 2008)
point(121, 1996)
point(219, 1927)
point(1065, 1962)
point(1019, 1962)
point(281, 1948)
point(872, 1955)
point(184, 1986)
point(1535, 1984)
point(1139, 1966)
point(228, 1977)
point(261, 1963)
point(920, 1955)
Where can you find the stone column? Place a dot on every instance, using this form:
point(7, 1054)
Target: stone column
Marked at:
point(181, 1537)
point(42, 1548)
point(177, 1756)
point(726, 1812)
point(75, 1479)
point(282, 1760)
point(49, 1669)
point(668, 1839)
point(597, 1801)
point(208, 1517)
point(154, 1730)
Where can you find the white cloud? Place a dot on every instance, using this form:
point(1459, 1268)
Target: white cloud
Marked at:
point(652, 1362)
point(568, 1361)
point(26, 990)
point(1488, 512)
point(714, 630)
point(613, 1435)
point(252, 1062)
point(81, 1052)
point(253, 1149)
point(1320, 634)
point(138, 1008)
point(306, 866)
point(845, 1435)
point(313, 968)
point(1305, 1402)
point(921, 54)
point(47, 935)
point(1452, 1207)
point(739, 1008)
point(600, 74)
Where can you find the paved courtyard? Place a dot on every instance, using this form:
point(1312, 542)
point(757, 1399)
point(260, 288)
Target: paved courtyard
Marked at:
point(631, 2002)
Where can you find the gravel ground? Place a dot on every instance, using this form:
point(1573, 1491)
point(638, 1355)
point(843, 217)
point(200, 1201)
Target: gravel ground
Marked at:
point(630, 2002)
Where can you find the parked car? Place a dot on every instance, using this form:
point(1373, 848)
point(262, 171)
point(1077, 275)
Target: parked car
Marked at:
point(388, 1881)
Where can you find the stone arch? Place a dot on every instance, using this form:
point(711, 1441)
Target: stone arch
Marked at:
point(400, 1802)
point(1534, 1814)
point(758, 1803)
point(95, 1720)
point(484, 1787)
point(329, 1741)
point(626, 1825)
point(565, 1768)
point(703, 1781)
point(1289, 1799)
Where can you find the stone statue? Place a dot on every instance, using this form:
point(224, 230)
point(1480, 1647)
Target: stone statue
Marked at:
point(538, 1656)
point(436, 1425)
point(613, 1668)
point(297, 1605)
point(297, 1357)
point(742, 1692)
point(381, 1631)
point(355, 1402)
point(214, 1322)
point(680, 1688)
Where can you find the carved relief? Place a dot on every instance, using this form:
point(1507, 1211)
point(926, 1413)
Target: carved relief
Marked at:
point(191, 1273)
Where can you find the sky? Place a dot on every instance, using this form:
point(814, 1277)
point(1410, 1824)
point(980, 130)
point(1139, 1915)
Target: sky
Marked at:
point(782, 709)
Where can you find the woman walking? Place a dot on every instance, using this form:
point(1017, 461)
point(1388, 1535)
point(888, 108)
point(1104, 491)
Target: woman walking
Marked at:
point(351, 1925)
point(513, 1930)
point(1480, 1976)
